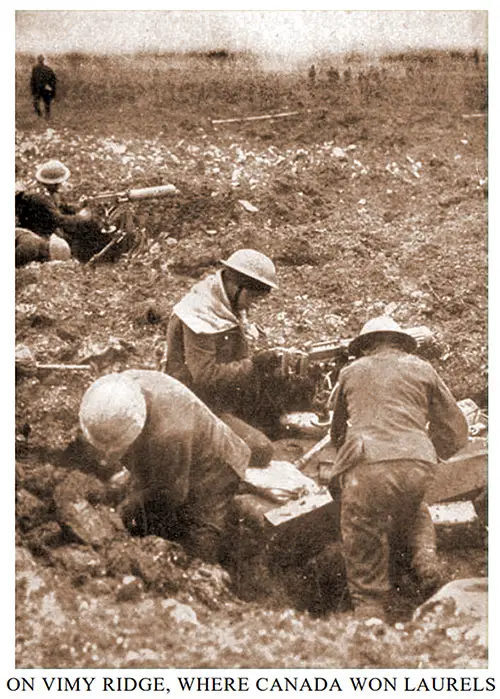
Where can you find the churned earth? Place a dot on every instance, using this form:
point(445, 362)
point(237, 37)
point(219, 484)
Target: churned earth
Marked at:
point(361, 215)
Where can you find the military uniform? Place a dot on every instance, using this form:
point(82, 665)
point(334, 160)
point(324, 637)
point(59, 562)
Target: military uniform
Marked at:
point(186, 466)
point(392, 418)
point(208, 350)
point(43, 86)
point(44, 216)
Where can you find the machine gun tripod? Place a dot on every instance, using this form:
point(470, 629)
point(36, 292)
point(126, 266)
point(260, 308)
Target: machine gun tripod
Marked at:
point(118, 218)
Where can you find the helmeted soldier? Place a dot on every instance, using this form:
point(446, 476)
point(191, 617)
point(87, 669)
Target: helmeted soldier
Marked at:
point(393, 416)
point(47, 212)
point(209, 344)
point(186, 464)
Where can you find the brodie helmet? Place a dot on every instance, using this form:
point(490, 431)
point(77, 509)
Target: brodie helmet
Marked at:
point(253, 264)
point(112, 413)
point(52, 172)
point(385, 326)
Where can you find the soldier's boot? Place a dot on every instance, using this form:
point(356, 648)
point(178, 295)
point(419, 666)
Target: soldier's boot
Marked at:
point(203, 542)
point(424, 559)
point(369, 607)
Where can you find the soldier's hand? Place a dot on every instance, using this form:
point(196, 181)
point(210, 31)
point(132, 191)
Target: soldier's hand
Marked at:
point(294, 362)
point(267, 361)
point(85, 214)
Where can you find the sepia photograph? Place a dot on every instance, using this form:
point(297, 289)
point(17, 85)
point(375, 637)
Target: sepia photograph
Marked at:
point(251, 351)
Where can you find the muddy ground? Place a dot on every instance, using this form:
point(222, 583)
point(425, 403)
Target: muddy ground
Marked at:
point(362, 213)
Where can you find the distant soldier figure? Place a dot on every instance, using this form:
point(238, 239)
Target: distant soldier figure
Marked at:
point(363, 85)
point(43, 86)
point(333, 75)
point(312, 74)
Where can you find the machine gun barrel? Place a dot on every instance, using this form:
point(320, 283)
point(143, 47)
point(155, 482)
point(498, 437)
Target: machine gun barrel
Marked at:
point(163, 190)
point(137, 194)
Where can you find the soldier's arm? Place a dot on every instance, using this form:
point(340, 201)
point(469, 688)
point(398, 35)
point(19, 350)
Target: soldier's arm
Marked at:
point(68, 209)
point(200, 356)
point(33, 83)
point(39, 213)
point(338, 428)
point(448, 427)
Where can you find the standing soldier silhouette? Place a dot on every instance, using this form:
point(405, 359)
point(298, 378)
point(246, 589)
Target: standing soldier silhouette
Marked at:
point(43, 86)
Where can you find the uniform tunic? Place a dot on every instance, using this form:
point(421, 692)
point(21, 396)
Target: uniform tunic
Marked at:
point(186, 460)
point(208, 350)
point(45, 215)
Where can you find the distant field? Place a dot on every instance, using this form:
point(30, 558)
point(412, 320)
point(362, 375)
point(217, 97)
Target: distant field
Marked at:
point(111, 92)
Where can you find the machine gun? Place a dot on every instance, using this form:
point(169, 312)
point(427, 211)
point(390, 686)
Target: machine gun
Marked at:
point(118, 219)
point(321, 362)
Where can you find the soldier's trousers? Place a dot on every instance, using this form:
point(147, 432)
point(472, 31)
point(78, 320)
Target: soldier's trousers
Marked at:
point(46, 98)
point(381, 502)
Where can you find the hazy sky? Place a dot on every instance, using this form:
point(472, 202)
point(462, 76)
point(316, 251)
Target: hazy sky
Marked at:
point(295, 32)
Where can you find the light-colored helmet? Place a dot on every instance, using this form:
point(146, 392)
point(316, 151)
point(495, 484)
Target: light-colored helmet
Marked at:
point(382, 326)
point(20, 187)
point(58, 248)
point(52, 172)
point(253, 264)
point(112, 413)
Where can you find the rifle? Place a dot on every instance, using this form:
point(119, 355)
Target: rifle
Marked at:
point(117, 220)
point(26, 363)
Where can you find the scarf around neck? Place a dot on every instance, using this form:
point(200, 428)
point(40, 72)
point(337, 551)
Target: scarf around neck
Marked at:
point(206, 308)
